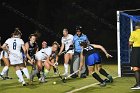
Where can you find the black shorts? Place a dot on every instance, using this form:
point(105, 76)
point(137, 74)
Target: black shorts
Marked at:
point(135, 57)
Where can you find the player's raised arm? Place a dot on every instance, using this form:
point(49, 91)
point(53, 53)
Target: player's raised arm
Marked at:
point(102, 48)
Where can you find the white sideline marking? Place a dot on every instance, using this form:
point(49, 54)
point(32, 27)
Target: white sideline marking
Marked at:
point(78, 89)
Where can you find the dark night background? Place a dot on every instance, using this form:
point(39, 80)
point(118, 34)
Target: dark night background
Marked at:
point(97, 17)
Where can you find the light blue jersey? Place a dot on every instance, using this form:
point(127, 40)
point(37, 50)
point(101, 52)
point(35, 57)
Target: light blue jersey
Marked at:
point(77, 40)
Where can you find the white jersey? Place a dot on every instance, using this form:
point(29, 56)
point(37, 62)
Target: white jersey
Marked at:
point(67, 41)
point(43, 54)
point(14, 44)
point(15, 55)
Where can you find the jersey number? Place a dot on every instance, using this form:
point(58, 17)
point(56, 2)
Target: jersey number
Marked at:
point(14, 45)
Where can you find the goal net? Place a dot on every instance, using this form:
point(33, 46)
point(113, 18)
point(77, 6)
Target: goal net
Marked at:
point(125, 24)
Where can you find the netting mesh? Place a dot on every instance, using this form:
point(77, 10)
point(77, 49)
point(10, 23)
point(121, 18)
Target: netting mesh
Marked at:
point(124, 38)
point(126, 25)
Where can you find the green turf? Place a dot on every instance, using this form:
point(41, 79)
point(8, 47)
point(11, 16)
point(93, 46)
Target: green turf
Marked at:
point(121, 85)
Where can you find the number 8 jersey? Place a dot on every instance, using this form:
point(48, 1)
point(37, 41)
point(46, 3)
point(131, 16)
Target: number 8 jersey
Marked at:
point(14, 44)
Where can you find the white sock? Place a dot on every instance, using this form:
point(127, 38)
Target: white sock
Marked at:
point(25, 70)
point(66, 68)
point(7, 72)
point(19, 74)
point(4, 70)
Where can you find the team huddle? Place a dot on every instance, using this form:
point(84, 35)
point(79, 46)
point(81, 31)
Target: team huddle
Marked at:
point(78, 52)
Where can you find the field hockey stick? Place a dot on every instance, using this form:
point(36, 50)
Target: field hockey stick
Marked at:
point(64, 79)
point(64, 52)
point(59, 74)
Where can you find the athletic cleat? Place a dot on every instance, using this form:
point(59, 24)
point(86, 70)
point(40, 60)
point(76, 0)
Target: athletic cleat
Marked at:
point(83, 76)
point(103, 84)
point(42, 80)
point(74, 76)
point(110, 78)
point(106, 80)
point(24, 84)
point(55, 73)
point(135, 87)
point(8, 78)
point(1, 76)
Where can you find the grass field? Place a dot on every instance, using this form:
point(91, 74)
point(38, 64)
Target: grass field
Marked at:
point(120, 85)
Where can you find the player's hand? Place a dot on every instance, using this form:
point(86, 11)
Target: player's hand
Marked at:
point(55, 66)
point(32, 60)
point(59, 54)
point(108, 55)
point(56, 63)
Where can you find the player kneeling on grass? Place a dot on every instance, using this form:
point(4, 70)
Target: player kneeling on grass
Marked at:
point(92, 59)
point(14, 45)
point(45, 54)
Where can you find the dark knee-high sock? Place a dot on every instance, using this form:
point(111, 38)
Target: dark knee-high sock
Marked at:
point(38, 75)
point(137, 76)
point(54, 69)
point(22, 72)
point(103, 72)
point(97, 77)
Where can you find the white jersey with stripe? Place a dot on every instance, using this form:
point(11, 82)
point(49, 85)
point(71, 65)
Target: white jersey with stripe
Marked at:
point(46, 51)
point(67, 41)
point(43, 53)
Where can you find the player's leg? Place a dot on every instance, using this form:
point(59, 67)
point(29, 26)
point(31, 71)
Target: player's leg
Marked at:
point(19, 74)
point(135, 64)
point(137, 77)
point(38, 69)
point(91, 61)
point(100, 69)
point(71, 62)
point(25, 70)
point(66, 65)
point(7, 64)
point(55, 71)
point(95, 75)
point(75, 65)
point(104, 73)
point(47, 68)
